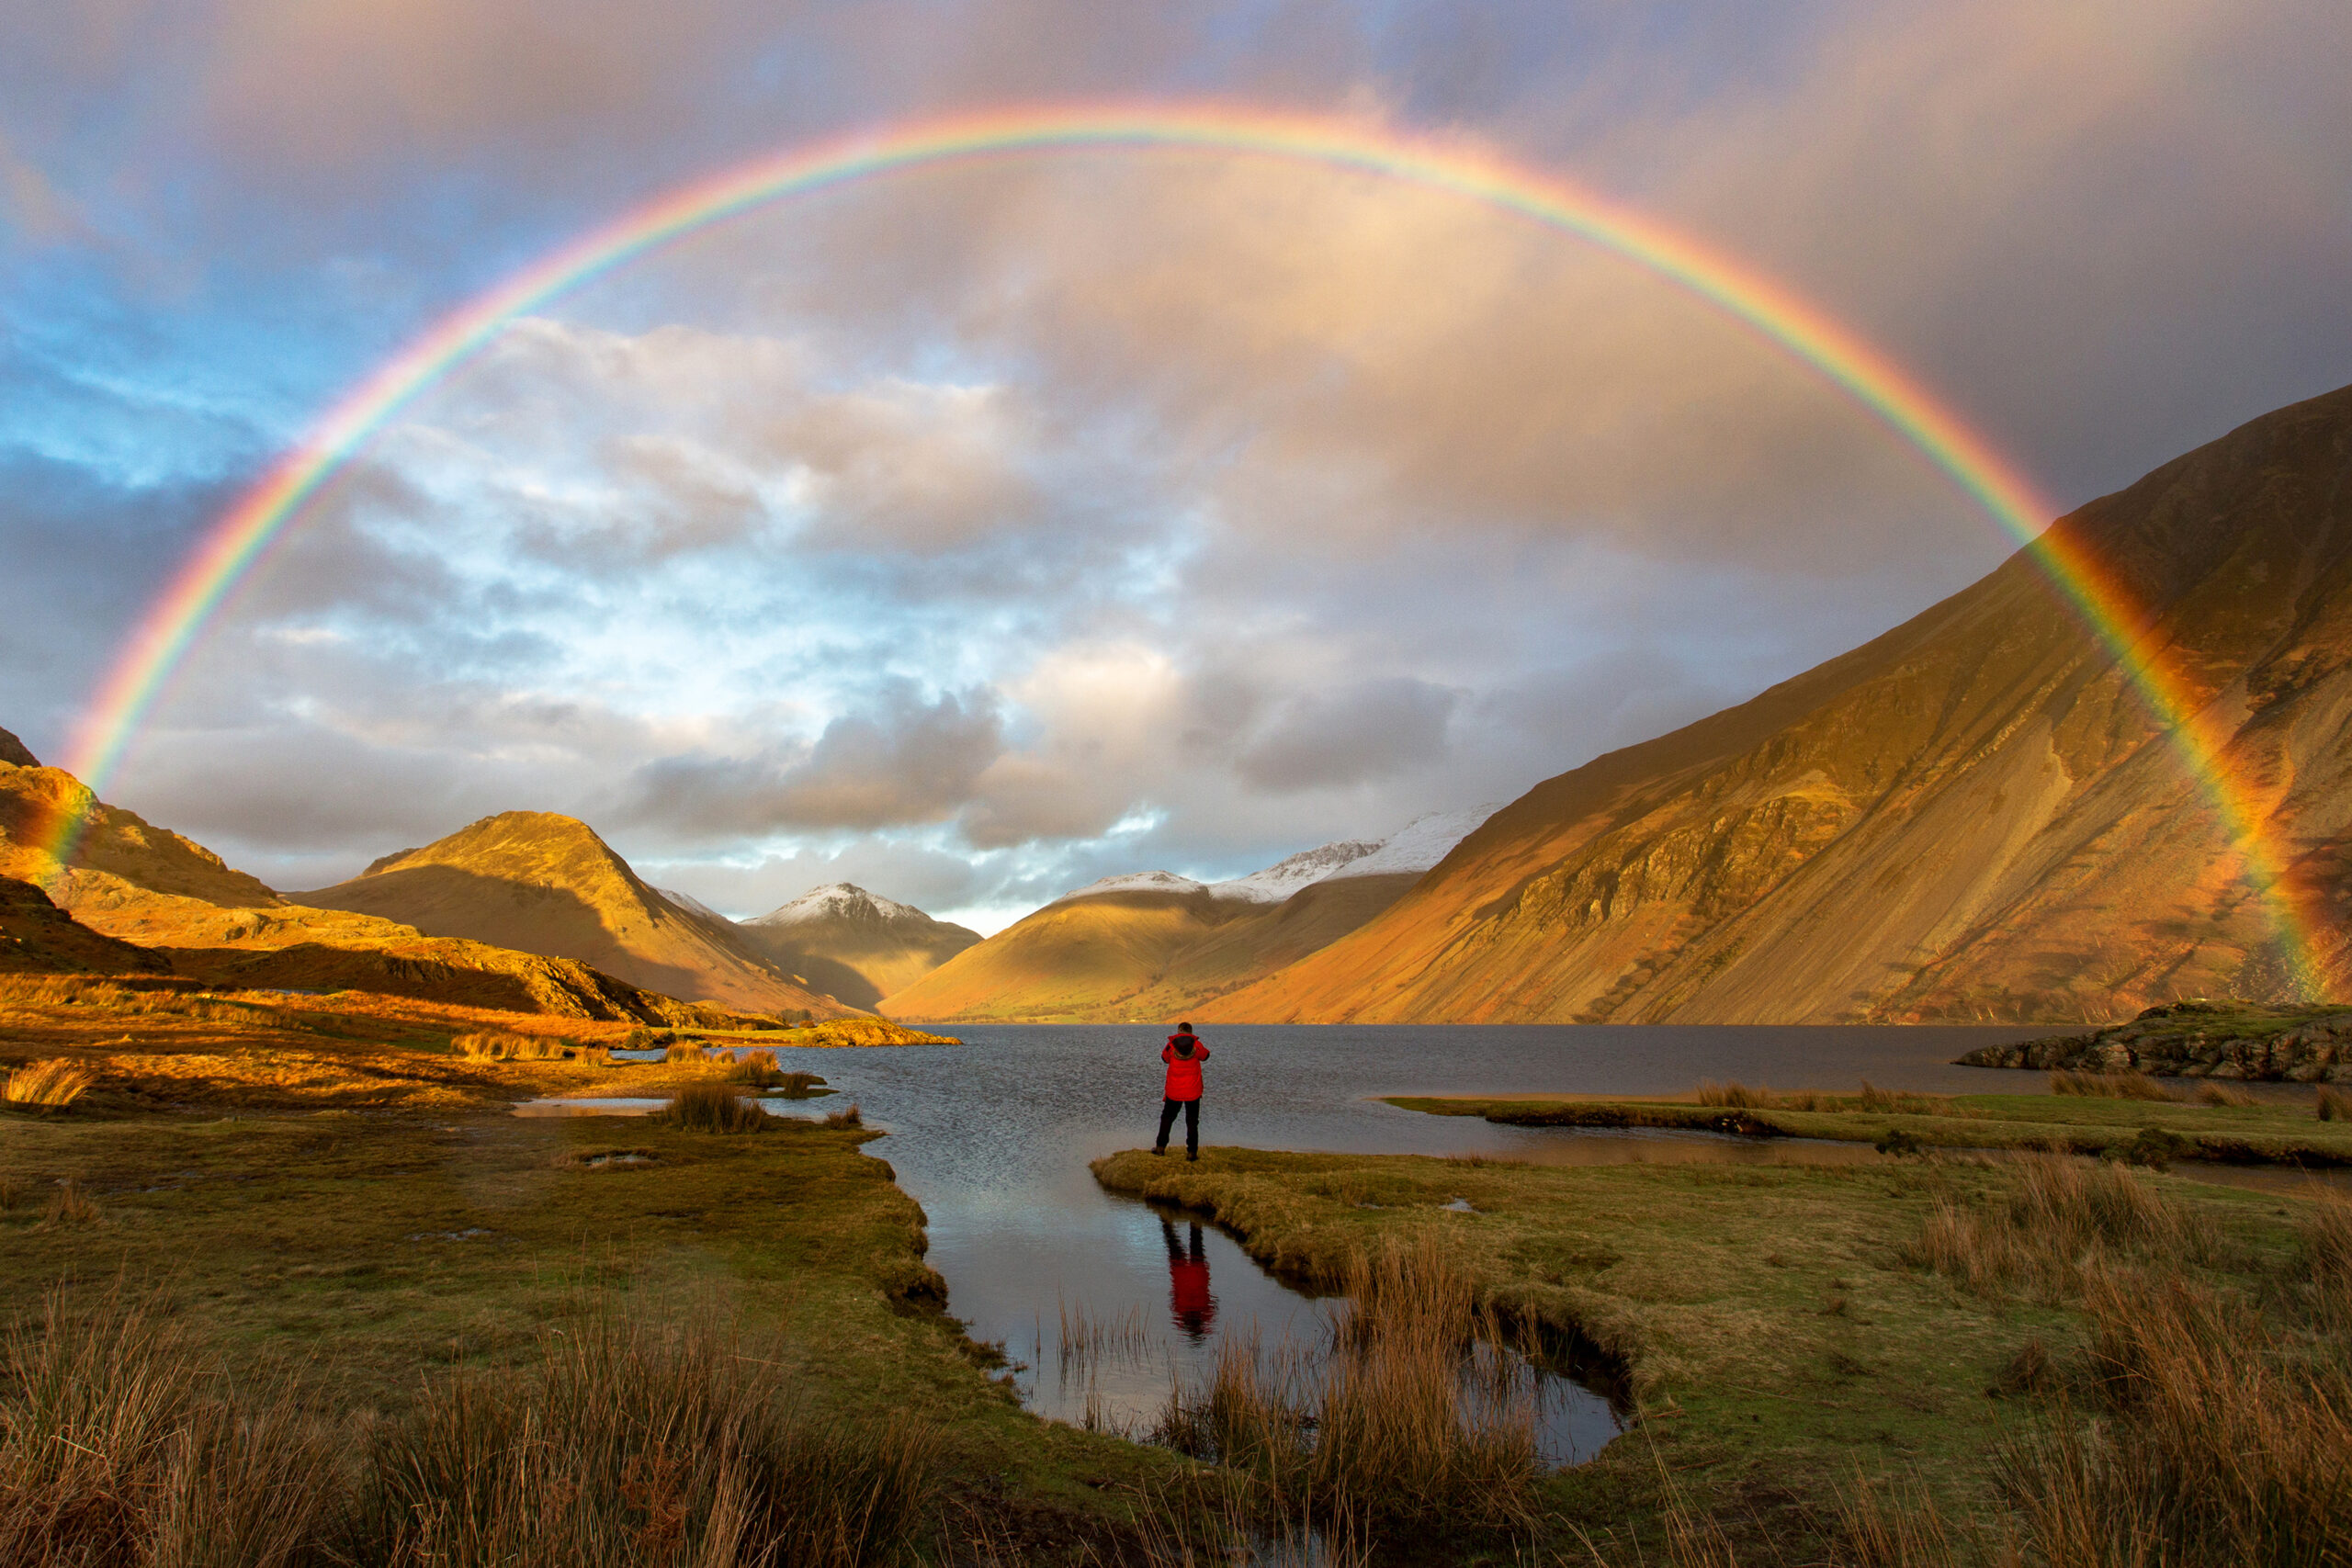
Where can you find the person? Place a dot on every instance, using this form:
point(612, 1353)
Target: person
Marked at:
point(1184, 1054)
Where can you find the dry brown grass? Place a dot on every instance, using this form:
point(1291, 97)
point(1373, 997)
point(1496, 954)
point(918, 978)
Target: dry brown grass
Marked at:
point(631, 1444)
point(2334, 1105)
point(713, 1107)
point(2223, 1094)
point(2323, 1259)
point(2218, 1443)
point(71, 1206)
point(2061, 1218)
point(849, 1117)
point(511, 1047)
point(51, 1085)
point(1407, 1423)
point(634, 1444)
point(2110, 1086)
point(119, 1445)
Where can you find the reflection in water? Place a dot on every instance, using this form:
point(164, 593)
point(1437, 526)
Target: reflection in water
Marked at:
point(1189, 1301)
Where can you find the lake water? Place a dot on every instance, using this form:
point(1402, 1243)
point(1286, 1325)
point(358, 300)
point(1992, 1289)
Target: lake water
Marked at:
point(993, 1138)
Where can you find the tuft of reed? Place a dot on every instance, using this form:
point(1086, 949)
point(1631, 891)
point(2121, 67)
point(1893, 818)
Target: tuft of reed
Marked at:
point(629, 1443)
point(51, 1085)
point(2323, 1259)
point(119, 1448)
point(2334, 1105)
point(12, 1189)
point(2109, 1086)
point(2221, 1094)
point(1086, 1338)
point(757, 1068)
point(686, 1051)
point(2218, 1443)
point(1410, 1420)
point(643, 1039)
point(72, 1205)
point(2062, 1219)
point(495, 1047)
point(713, 1107)
point(850, 1117)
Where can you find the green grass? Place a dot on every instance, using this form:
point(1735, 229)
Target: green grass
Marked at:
point(2257, 1134)
point(364, 1257)
point(1780, 1328)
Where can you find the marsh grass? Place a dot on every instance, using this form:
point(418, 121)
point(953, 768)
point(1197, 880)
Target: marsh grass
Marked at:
point(632, 1443)
point(71, 1206)
point(713, 1107)
point(2322, 1272)
point(2111, 1086)
point(511, 1047)
point(2061, 1218)
point(50, 1086)
point(2223, 1094)
point(1739, 1097)
point(120, 1445)
point(1408, 1420)
point(848, 1117)
point(1087, 1339)
point(2334, 1105)
point(757, 1068)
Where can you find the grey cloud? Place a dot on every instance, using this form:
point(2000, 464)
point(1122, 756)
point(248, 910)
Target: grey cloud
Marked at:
point(1353, 736)
point(901, 760)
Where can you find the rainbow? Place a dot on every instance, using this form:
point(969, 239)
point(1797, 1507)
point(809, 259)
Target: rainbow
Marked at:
point(233, 547)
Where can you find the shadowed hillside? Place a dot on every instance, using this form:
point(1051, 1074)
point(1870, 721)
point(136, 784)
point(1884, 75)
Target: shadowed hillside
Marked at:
point(1972, 816)
point(541, 883)
point(854, 944)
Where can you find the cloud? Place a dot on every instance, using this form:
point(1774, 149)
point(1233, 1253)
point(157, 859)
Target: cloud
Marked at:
point(1367, 731)
point(899, 760)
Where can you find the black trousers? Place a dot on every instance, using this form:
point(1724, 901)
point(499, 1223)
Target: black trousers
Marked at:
point(1191, 1109)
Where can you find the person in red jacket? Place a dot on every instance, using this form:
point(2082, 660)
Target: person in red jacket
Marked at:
point(1184, 1054)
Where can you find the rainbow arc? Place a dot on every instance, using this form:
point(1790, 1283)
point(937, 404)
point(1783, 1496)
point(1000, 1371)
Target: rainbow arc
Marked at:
point(232, 548)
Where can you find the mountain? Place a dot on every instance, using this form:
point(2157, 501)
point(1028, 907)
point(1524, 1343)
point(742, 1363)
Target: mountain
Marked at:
point(1972, 817)
point(14, 753)
point(858, 946)
point(135, 898)
point(541, 883)
point(1153, 945)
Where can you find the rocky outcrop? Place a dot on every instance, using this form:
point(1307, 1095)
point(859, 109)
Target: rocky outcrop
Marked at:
point(2196, 1040)
point(39, 938)
point(14, 753)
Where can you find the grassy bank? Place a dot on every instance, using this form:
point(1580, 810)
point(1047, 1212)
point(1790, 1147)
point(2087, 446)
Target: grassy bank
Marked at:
point(384, 1285)
point(2248, 1134)
point(1798, 1338)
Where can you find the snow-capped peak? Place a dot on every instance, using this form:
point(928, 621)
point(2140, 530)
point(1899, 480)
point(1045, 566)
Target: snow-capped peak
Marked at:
point(1284, 877)
point(836, 900)
point(1420, 843)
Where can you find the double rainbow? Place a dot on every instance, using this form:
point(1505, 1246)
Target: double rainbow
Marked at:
point(1874, 381)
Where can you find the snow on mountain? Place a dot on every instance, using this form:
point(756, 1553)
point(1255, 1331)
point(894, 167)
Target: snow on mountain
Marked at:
point(837, 900)
point(1416, 847)
point(1420, 843)
point(1138, 882)
point(692, 906)
point(1282, 879)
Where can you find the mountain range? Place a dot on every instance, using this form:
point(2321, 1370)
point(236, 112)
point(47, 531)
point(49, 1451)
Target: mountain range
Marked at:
point(1972, 817)
point(857, 945)
point(1153, 945)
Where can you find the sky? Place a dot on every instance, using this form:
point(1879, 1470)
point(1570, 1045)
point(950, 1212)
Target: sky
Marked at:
point(973, 533)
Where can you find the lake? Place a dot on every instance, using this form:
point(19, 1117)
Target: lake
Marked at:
point(993, 1137)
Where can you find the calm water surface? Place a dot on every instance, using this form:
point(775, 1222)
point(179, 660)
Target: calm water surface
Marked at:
point(993, 1138)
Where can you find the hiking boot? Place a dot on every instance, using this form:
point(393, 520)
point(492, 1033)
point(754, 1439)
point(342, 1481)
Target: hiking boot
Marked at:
point(1159, 1149)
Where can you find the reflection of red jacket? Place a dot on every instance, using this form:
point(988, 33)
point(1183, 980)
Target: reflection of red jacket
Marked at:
point(1188, 1290)
point(1183, 1073)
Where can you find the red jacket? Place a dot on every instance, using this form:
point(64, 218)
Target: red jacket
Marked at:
point(1183, 1072)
